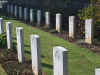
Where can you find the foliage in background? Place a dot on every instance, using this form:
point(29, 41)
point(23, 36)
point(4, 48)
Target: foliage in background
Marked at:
point(88, 12)
point(3, 40)
point(4, 17)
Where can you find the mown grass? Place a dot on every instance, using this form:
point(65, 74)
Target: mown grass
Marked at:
point(2, 71)
point(81, 60)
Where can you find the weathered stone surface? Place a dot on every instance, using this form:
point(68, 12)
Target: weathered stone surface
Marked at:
point(15, 11)
point(39, 17)
point(31, 15)
point(36, 55)
point(1, 26)
point(25, 14)
point(9, 35)
point(97, 71)
point(60, 60)
point(58, 22)
point(47, 19)
point(71, 26)
point(20, 12)
point(20, 44)
point(89, 31)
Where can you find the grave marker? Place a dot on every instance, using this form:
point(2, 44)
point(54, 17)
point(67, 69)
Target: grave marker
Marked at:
point(1, 26)
point(60, 60)
point(39, 17)
point(9, 35)
point(71, 26)
point(89, 31)
point(8, 8)
point(36, 55)
point(97, 71)
point(15, 10)
point(47, 19)
point(31, 15)
point(58, 22)
point(25, 14)
point(20, 12)
point(11, 7)
point(20, 44)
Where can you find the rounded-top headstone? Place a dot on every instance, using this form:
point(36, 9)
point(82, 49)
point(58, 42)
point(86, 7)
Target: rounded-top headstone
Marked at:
point(8, 22)
point(1, 18)
point(36, 36)
point(60, 57)
point(60, 48)
point(20, 28)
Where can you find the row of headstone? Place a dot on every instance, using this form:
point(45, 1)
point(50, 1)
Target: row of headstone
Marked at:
point(59, 53)
point(88, 23)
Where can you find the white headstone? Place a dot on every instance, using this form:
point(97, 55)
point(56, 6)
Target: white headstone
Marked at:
point(71, 26)
point(89, 31)
point(9, 35)
point(36, 55)
point(58, 22)
point(39, 17)
point(97, 71)
point(20, 44)
point(47, 19)
point(25, 14)
point(8, 8)
point(1, 26)
point(31, 15)
point(15, 10)
point(11, 7)
point(20, 12)
point(60, 60)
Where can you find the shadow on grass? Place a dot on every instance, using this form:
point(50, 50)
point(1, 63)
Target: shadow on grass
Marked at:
point(27, 45)
point(47, 65)
point(28, 52)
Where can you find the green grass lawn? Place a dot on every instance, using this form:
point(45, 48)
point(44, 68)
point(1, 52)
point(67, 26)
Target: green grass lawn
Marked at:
point(2, 71)
point(81, 60)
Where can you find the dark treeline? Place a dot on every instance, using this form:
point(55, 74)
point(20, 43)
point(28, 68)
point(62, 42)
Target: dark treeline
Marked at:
point(51, 3)
point(70, 5)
